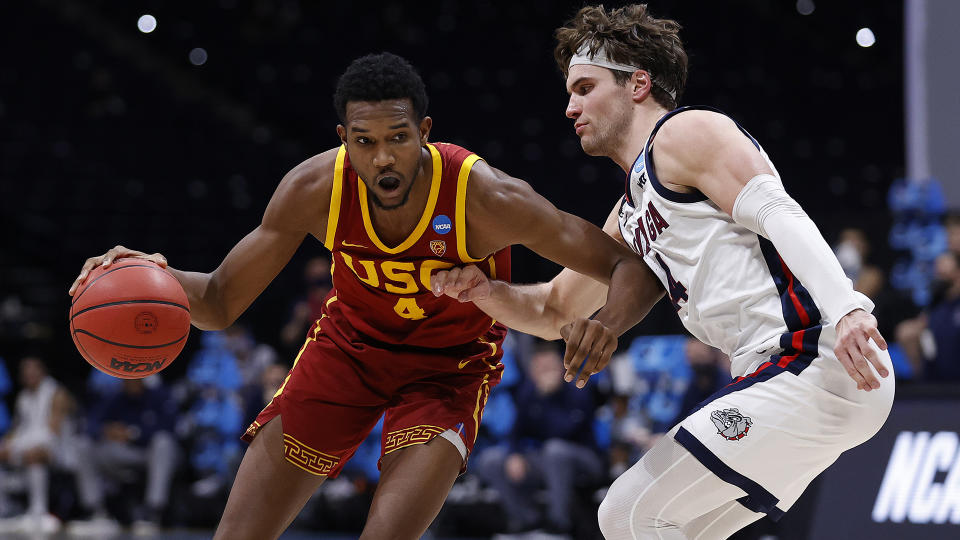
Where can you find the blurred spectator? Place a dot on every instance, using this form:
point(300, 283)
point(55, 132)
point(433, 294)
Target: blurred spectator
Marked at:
point(628, 434)
point(316, 276)
point(551, 445)
point(259, 396)
point(250, 356)
point(852, 249)
point(41, 429)
point(659, 381)
point(655, 374)
point(131, 432)
point(932, 340)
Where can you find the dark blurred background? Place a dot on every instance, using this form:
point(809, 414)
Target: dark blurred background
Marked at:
point(172, 140)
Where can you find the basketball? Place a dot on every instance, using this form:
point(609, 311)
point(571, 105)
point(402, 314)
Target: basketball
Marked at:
point(131, 319)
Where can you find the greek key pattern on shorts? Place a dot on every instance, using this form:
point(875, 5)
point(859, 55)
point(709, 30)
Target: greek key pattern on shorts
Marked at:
point(252, 430)
point(308, 459)
point(402, 438)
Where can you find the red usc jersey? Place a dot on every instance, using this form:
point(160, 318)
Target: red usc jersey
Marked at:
point(383, 292)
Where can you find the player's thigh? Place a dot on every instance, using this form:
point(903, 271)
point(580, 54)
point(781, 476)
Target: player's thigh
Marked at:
point(268, 491)
point(329, 403)
point(414, 482)
point(667, 489)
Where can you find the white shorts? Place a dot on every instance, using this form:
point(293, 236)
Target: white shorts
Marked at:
point(771, 431)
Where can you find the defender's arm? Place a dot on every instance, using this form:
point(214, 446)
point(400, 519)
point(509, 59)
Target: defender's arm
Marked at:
point(539, 309)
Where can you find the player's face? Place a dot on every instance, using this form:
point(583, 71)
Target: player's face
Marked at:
point(600, 108)
point(385, 143)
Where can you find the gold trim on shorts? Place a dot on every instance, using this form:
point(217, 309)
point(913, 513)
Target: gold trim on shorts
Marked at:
point(309, 459)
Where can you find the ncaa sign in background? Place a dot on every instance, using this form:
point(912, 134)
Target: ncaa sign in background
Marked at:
point(902, 484)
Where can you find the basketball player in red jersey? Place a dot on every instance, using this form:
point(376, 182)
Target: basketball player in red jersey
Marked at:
point(393, 209)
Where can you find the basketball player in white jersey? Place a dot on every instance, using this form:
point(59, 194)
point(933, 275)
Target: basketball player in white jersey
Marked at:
point(747, 271)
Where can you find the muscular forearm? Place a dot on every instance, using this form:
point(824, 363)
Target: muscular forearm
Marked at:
point(526, 308)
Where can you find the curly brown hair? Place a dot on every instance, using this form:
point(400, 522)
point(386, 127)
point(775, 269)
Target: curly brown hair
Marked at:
point(629, 35)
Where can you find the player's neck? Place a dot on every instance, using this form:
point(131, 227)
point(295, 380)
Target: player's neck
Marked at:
point(394, 225)
point(644, 120)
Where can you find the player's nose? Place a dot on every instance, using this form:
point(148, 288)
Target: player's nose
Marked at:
point(574, 108)
point(383, 159)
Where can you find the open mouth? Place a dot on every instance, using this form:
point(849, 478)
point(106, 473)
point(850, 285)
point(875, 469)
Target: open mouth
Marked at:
point(389, 183)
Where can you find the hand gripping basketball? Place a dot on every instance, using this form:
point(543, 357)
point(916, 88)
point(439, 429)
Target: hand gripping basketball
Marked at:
point(107, 259)
point(129, 317)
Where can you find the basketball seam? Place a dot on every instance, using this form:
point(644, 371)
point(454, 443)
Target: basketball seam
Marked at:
point(124, 302)
point(94, 336)
point(87, 288)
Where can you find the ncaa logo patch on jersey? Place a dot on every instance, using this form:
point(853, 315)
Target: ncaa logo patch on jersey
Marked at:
point(438, 247)
point(638, 175)
point(731, 425)
point(442, 224)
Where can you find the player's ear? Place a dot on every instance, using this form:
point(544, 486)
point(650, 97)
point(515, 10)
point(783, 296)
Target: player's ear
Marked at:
point(640, 85)
point(342, 133)
point(425, 126)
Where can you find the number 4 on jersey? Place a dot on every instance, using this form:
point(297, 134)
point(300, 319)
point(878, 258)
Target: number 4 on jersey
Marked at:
point(677, 291)
point(407, 308)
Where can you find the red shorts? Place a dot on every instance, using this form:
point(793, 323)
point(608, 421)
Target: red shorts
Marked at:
point(340, 385)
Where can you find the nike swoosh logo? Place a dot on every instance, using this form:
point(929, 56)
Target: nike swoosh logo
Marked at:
point(348, 244)
point(463, 363)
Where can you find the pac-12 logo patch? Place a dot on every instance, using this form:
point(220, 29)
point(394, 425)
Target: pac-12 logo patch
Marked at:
point(442, 224)
point(731, 425)
point(439, 247)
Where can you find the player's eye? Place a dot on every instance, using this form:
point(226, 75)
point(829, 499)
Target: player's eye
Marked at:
point(400, 137)
point(363, 140)
point(585, 89)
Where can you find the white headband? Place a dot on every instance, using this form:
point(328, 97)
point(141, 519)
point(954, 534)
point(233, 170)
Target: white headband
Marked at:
point(600, 58)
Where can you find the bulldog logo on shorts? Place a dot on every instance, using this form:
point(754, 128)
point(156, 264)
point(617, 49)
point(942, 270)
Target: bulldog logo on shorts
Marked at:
point(731, 425)
point(439, 247)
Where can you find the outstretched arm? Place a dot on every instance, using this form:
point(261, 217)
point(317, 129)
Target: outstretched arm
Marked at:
point(502, 210)
point(298, 207)
point(706, 151)
point(540, 309)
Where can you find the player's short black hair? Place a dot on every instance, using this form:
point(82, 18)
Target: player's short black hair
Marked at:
point(379, 77)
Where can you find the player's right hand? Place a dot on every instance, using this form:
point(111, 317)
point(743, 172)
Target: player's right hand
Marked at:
point(107, 259)
point(590, 344)
point(465, 283)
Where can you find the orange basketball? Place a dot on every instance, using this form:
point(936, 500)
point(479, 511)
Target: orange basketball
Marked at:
point(131, 319)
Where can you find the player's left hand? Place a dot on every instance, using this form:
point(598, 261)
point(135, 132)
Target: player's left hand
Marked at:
point(853, 350)
point(589, 343)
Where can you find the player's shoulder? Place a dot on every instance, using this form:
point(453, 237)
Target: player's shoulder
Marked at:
point(450, 150)
point(696, 127)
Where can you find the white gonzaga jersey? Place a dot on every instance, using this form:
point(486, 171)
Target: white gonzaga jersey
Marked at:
point(729, 285)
